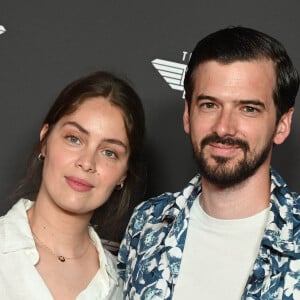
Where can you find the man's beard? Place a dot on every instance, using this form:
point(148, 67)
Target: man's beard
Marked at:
point(224, 175)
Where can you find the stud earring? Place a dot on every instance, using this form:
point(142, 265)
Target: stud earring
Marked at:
point(119, 186)
point(41, 157)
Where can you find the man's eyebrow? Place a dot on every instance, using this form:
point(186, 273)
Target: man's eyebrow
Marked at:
point(206, 97)
point(256, 102)
point(253, 102)
point(106, 140)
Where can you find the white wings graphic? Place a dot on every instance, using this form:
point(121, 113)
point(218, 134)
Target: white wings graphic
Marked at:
point(172, 72)
point(2, 29)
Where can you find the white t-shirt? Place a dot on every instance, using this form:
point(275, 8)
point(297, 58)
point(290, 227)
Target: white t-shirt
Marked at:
point(218, 255)
point(19, 279)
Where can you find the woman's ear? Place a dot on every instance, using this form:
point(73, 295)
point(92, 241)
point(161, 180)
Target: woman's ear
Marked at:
point(123, 178)
point(43, 133)
point(283, 127)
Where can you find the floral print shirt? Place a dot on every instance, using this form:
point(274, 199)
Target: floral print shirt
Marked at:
point(151, 251)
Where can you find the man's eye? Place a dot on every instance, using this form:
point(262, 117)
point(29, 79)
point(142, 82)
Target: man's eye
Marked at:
point(250, 109)
point(208, 105)
point(73, 139)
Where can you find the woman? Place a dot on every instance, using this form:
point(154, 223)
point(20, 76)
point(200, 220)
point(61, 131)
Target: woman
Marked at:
point(87, 162)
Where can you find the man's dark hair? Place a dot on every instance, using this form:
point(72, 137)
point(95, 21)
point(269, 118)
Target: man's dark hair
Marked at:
point(245, 44)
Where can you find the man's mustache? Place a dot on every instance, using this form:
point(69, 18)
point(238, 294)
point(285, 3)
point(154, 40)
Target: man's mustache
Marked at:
point(214, 138)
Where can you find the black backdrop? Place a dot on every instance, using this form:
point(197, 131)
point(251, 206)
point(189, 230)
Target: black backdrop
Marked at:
point(49, 43)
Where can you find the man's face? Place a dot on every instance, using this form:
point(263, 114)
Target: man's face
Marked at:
point(232, 119)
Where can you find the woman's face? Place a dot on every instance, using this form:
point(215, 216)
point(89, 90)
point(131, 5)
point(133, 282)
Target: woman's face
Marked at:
point(86, 156)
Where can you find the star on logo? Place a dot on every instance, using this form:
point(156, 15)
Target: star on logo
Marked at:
point(172, 72)
point(2, 29)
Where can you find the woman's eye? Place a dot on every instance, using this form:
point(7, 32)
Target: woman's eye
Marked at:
point(110, 153)
point(73, 139)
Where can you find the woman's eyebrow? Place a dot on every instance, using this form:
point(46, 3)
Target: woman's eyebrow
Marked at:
point(107, 140)
point(75, 124)
point(116, 142)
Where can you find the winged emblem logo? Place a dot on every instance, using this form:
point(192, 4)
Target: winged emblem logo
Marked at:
point(172, 72)
point(2, 29)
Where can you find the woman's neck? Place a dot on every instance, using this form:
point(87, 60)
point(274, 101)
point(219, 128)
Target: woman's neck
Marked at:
point(60, 231)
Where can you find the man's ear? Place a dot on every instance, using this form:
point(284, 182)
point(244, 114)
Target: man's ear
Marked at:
point(186, 118)
point(43, 133)
point(283, 127)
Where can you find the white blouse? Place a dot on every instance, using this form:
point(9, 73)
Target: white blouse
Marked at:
point(19, 279)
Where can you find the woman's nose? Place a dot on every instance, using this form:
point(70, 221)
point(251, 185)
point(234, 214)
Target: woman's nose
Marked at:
point(86, 162)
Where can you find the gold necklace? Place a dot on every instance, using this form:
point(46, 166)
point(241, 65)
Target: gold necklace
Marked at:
point(61, 258)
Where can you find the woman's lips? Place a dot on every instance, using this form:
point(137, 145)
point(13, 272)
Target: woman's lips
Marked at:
point(79, 185)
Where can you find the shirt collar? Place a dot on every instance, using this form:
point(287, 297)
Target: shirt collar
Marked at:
point(106, 259)
point(18, 236)
point(183, 199)
point(284, 219)
point(16, 229)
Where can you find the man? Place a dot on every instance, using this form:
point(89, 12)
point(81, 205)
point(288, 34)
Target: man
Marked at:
point(233, 232)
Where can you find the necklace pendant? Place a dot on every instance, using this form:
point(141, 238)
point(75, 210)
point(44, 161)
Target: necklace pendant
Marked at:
point(61, 258)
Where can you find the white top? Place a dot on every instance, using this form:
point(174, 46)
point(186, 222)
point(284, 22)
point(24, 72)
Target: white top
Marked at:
point(218, 255)
point(19, 279)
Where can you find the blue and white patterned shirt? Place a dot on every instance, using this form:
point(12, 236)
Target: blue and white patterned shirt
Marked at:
point(151, 251)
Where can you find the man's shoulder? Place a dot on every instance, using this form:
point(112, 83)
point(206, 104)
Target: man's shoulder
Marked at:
point(296, 199)
point(281, 190)
point(164, 199)
point(167, 200)
point(153, 209)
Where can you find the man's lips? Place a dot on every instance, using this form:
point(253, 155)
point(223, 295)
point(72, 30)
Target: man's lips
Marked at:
point(221, 149)
point(224, 146)
point(78, 184)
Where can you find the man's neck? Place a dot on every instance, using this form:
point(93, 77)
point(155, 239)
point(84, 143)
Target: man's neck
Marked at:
point(239, 201)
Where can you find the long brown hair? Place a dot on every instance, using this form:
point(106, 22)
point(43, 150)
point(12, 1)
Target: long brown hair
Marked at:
point(121, 94)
